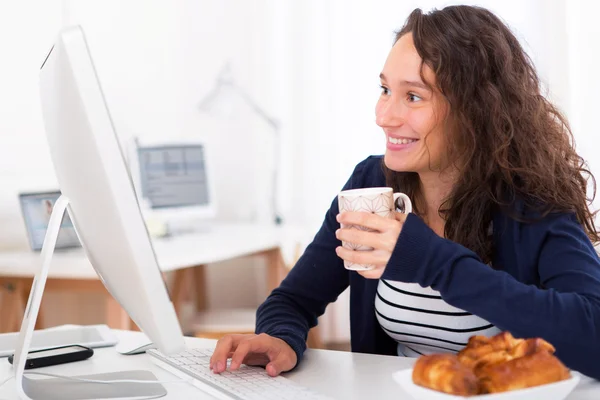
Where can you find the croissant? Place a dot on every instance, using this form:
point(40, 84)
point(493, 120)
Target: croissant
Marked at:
point(533, 369)
point(481, 350)
point(530, 346)
point(444, 373)
point(491, 365)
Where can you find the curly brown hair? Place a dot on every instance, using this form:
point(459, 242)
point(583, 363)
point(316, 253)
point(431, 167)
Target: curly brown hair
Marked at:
point(506, 139)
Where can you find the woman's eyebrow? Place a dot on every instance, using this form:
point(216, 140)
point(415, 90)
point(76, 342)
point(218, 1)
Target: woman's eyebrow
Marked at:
point(418, 84)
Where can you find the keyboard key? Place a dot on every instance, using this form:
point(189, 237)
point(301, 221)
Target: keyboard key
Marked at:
point(247, 383)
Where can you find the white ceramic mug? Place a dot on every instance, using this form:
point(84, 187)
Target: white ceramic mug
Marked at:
point(377, 200)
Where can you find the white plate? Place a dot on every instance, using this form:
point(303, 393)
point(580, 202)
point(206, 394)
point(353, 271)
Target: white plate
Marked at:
point(551, 391)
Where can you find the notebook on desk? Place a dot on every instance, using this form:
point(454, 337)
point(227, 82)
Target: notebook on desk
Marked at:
point(93, 336)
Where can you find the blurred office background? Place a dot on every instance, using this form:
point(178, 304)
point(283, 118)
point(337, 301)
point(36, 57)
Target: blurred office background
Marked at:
point(312, 65)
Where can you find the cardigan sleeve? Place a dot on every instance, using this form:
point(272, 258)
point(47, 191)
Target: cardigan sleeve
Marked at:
point(316, 280)
point(564, 308)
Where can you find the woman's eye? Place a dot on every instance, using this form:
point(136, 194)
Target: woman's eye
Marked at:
point(413, 98)
point(384, 90)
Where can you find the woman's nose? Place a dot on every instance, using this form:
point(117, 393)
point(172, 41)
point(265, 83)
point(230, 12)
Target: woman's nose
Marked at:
point(389, 113)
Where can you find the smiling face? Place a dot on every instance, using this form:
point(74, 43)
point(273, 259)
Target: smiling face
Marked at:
point(412, 115)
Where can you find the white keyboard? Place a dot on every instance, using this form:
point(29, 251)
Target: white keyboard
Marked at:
point(247, 383)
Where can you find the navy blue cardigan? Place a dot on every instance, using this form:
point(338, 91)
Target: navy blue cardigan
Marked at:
point(545, 282)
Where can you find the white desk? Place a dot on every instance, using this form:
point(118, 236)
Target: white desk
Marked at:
point(341, 375)
point(186, 254)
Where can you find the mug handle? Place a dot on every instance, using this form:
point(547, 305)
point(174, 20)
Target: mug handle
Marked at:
point(406, 203)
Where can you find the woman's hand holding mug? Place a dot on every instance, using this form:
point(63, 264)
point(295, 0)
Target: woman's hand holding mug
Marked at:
point(370, 226)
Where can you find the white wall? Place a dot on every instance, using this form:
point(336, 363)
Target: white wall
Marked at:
point(583, 33)
point(27, 30)
point(24, 159)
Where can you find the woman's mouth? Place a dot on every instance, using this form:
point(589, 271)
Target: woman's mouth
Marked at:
point(396, 144)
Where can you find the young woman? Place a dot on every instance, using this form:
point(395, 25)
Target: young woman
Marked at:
point(501, 234)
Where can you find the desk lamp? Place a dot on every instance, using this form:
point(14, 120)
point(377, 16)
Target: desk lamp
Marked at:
point(226, 87)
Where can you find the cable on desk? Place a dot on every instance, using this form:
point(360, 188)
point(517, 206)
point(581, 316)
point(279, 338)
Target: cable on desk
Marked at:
point(5, 381)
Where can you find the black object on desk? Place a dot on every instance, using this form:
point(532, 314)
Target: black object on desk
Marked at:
point(55, 356)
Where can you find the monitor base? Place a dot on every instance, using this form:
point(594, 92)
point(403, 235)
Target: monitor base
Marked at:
point(63, 389)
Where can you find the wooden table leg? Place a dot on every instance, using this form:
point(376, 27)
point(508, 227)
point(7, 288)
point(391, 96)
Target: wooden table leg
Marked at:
point(116, 317)
point(25, 291)
point(200, 289)
point(188, 283)
point(314, 340)
point(177, 289)
point(11, 310)
point(275, 268)
point(14, 301)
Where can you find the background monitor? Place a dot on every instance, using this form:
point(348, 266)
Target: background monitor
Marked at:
point(174, 182)
point(93, 175)
point(36, 209)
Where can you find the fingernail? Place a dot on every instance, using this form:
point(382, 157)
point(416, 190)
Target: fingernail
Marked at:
point(336, 232)
point(219, 366)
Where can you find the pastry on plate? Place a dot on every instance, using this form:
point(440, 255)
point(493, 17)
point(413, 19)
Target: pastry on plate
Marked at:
point(444, 373)
point(491, 365)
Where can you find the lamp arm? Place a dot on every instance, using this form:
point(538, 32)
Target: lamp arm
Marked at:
point(276, 156)
point(256, 108)
point(225, 80)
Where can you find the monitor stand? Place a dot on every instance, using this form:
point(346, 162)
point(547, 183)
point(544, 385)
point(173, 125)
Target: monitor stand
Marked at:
point(58, 388)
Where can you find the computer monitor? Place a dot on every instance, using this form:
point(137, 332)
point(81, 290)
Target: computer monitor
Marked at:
point(174, 182)
point(93, 176)
point(36, 209)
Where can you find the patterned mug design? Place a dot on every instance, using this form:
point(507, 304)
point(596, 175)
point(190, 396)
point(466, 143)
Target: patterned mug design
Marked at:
point(381, 201)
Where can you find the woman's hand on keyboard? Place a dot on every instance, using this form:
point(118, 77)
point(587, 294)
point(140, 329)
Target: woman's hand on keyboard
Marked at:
point(264, 350)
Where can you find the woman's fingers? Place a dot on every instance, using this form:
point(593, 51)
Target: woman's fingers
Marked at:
point(371, 239)
point(368, 220)
point(263, 350)
point(259, 344)
point(283, 361)
point(223, 351)
point(379, 258)
point(256, 359)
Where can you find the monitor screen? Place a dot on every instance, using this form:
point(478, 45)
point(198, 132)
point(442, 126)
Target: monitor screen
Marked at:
point(173, 176)
point(36, 209)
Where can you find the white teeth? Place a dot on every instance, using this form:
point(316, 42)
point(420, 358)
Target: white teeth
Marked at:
point(400, 141)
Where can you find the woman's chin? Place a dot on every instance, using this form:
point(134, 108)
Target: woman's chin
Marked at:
point(396, 164)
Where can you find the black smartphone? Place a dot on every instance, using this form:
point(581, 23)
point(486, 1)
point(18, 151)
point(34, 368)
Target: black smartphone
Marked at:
point(55, 355)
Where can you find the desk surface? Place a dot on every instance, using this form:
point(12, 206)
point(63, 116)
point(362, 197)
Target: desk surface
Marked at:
point(341, 375)
point(219, 243)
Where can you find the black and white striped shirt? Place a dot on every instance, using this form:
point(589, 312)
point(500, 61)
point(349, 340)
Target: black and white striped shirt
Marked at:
point(422, 322)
